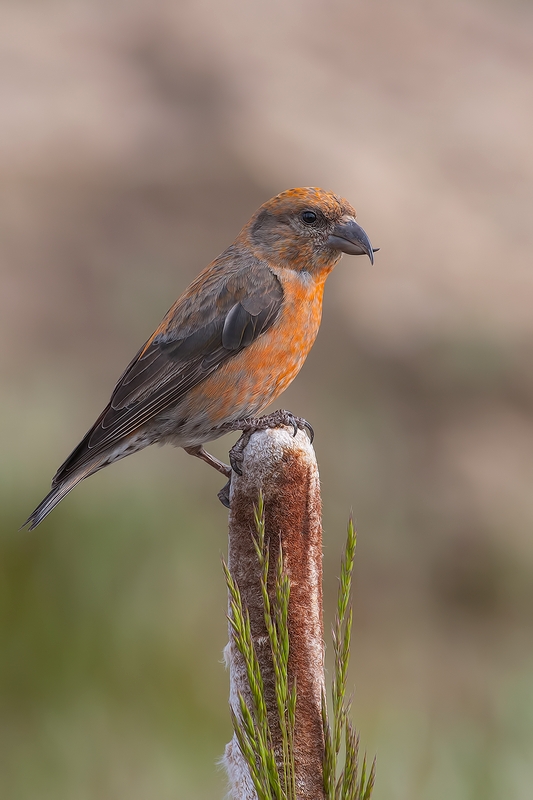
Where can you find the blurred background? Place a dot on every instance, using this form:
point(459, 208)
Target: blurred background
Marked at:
point(136, 138)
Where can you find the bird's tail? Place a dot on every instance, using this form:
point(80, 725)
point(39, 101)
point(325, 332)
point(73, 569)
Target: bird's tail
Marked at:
point(54, 496)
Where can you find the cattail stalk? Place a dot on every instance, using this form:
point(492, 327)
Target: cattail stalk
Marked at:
point(275, 569)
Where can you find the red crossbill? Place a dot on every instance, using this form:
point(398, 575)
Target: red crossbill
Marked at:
point(230, 345)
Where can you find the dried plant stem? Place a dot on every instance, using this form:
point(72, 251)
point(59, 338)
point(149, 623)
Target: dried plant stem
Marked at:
point(284, 745)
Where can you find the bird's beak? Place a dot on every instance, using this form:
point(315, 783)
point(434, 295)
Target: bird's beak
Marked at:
point(349, 237)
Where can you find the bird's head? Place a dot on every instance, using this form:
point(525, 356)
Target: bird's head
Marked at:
point(306, 229)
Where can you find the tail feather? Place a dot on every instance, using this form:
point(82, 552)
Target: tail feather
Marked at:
point(54, 497)
point(79, 465)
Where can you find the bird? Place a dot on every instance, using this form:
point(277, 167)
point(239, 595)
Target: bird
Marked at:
point(231, 343)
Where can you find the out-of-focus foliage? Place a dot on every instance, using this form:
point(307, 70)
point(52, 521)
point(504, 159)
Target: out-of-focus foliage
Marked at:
point(135, 139)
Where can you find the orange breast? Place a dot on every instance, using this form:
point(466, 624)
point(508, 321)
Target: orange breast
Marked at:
point(246, 384)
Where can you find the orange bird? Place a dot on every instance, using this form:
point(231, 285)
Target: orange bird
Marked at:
point(230, 345)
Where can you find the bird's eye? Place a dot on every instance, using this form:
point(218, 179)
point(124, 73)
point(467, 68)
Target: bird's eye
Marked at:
point(309, 217)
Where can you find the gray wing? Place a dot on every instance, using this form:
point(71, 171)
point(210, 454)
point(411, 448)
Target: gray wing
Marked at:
point(223, 311)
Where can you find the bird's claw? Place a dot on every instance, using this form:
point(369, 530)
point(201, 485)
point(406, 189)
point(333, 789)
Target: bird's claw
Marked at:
point(309, 430)
point(249, 425)
point(223, 495)
point(282, 417)
point(236, 454)
point(277, 419)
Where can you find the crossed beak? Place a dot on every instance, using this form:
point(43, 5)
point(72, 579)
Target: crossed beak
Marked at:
point(349, 237)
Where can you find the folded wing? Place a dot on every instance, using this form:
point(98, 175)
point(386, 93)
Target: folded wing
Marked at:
point(212, 322)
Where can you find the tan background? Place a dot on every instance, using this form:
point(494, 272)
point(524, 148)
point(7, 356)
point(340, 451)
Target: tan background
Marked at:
point(135, 140)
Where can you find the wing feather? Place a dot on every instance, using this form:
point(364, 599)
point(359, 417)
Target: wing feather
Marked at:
point(233, 306)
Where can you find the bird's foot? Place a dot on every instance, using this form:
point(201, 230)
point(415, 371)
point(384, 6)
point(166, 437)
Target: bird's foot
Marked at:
point(223, 495)
point(199, 452)
point(249, 425)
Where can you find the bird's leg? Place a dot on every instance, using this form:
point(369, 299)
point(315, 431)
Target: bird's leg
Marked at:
point(249, 425)
point(199, 452)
